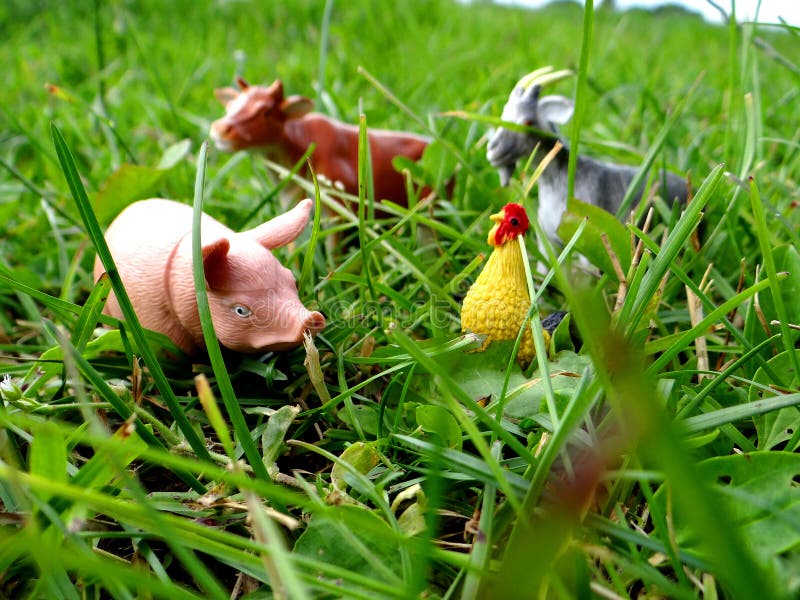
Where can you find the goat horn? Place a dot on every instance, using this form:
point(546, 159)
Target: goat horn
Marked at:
point(544, 76)
point(528, 79)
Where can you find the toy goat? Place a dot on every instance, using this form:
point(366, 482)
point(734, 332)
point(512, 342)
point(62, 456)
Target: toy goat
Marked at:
point(261, 117)
point(599, 183)
point(253, 298)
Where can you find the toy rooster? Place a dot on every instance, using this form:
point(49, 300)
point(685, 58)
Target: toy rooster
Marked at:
point(498, 301)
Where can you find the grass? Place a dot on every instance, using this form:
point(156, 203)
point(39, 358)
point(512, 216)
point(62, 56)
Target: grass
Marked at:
point(657, 459)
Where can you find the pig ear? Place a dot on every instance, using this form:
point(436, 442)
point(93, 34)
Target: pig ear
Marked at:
point(214, 255)
point(295, 107)
point(284, 228)
point(225, 95)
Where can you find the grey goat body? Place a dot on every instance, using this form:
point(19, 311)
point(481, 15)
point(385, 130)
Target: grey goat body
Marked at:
point(599, 183)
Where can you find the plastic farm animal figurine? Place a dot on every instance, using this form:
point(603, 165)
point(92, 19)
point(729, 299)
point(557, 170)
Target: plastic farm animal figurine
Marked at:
point(253, 298)
point(284, 127)
point(599, 183)
point(497, 303)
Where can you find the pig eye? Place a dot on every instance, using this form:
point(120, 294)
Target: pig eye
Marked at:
point(241, 311)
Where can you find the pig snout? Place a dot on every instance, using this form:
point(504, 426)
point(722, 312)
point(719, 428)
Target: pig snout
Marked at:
point(314, 323)
point(300, 321)
point(265, 326)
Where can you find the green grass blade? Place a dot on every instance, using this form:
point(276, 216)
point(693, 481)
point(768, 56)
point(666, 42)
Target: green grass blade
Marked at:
point(366, 194)
point(93, 229)
point(324, 49)
point(450, 392)
point(122, 409)
point(635, 307)
point(438, 137)
point(64, 309)
point(581, 99)
point(739, 412)
point(90, 314)
point(234, 410)
point(481, 549)
point(630, 388)
point(655, 147)
point(714, 316)
point(772, 274)
point(304, 282)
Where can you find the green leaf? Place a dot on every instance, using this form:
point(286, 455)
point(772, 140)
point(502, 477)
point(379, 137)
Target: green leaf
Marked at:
point(403, 163)
point(777, 286)
point(125, 185)
point(759, 492)
point(438, 162)
point(775, 427)
point(266, 369)
point(566, 375)
point(111, 340)
point(636, 307)
point(352, 538)
point(437, 421)
point(272, 440)
point(130, 183)
point(412, 520)
point(482, 374)
point(464, 464)
point(738, 412)
point(48, 454)
point(560, 338)
point(174, 154)
point(590, 244)
point(104, 468)
point(361, 456)
point(364, 416)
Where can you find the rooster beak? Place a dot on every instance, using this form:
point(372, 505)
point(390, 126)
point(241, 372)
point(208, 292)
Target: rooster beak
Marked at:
point(497, 217)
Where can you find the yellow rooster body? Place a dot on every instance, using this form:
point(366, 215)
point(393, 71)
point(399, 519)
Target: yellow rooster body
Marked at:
point(498, 301)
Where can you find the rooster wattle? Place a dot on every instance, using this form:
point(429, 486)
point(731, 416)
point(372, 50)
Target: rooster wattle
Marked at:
point(498, 301)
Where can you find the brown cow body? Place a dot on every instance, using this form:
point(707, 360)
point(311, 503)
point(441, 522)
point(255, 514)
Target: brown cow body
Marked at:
point(261, 118)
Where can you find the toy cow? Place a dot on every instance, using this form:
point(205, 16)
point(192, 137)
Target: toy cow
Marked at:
point(253, 298)
point(261, 117)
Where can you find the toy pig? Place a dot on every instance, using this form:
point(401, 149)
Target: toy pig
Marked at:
point(253, 298)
